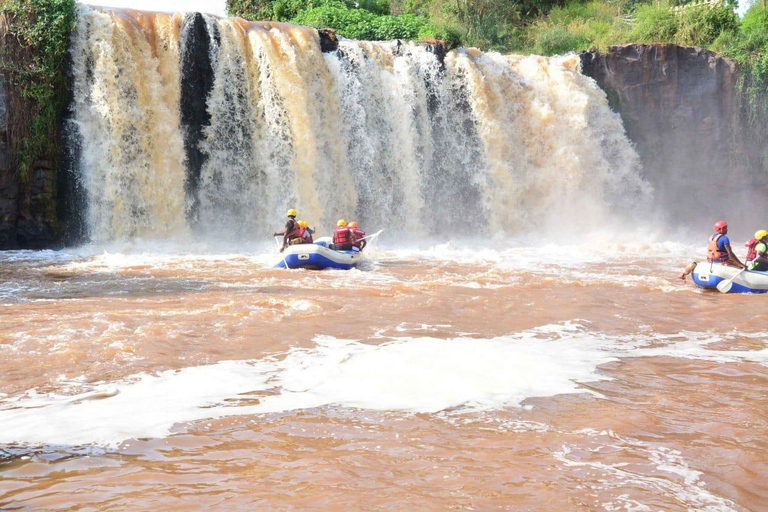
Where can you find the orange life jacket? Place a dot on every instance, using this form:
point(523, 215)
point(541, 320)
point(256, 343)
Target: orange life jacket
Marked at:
point(359, 234)
point(295, 232)
point(714, 254)
point(342, 236)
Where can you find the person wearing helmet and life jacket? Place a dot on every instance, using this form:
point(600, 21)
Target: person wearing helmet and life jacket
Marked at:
point(292, 232)
point(306, 232)
point(342, 237)
point(719, 247)
point(718, 250)
point(359, 235)
point(757, 251)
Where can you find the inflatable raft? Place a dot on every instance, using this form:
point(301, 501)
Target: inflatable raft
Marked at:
point(708, 275)
point(318, 256)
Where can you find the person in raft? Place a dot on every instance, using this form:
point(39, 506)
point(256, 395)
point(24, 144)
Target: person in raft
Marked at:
point(757, 252)
point(718, 250)
point(292, 232)
point(358, 235)
point(342, 237)
point(306, 233)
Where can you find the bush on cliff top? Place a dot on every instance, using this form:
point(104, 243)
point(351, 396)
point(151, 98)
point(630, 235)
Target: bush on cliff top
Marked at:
point(366, 19)
point(35, 34)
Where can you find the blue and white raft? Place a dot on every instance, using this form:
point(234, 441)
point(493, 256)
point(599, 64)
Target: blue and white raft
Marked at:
point(318, 256)
point(708, 275)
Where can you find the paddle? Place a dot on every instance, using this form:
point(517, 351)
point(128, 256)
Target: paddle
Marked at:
point(373, 235)
point(725, 286)
point(281, 252)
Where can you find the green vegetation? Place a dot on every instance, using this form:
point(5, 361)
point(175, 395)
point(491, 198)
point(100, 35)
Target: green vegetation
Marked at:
point(34, 35)
point(540, 26)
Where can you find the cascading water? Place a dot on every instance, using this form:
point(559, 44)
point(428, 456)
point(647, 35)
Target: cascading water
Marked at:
point(217, 126)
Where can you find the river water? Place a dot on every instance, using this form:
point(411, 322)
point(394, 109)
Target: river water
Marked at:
point(446, 376)
point(517, 339)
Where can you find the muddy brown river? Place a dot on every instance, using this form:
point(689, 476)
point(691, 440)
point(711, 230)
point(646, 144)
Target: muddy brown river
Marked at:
point(440, 378)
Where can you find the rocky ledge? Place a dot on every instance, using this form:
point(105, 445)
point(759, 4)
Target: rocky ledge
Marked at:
point(680, 107)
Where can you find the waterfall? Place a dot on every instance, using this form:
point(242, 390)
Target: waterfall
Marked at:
point(197, 124)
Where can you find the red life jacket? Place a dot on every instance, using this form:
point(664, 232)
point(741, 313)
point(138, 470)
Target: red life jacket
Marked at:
point(358, 234)
point(750, 245)
point(295, 232)
point(751, 251)
point(342, 236)
point(714, 254)
point(306, 235)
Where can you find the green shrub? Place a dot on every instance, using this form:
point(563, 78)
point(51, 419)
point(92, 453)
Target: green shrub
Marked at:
point(557, 39)
point(32, 61)
point(654, 23)
point(701, 26)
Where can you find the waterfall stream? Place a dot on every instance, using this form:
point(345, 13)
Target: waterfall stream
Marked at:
point(197, 124)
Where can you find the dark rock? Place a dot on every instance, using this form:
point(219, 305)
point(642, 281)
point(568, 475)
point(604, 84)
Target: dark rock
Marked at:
point(71, 195)
point(37, 224)
point(329, 42)
point(438, 47)
point(679, 107)
point(3, 106)
point(196, 83)
point(9, 191)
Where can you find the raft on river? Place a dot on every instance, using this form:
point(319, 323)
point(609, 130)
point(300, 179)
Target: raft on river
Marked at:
point(318, 256)
point(708, 275)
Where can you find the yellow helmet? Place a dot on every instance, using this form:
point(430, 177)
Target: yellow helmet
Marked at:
point(341, 223)
point(761, 234)
point(291, 213)
point(303, 223)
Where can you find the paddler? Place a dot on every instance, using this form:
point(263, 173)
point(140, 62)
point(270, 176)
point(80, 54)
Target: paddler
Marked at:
point(292, 232)
point(718, 250)
point(358, 235)
point(719, 247)
point(306, 232)
point(757, 252)
point(342, 236)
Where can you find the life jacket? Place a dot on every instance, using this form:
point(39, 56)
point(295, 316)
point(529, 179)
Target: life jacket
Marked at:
point(295, 232)
point(358, 234)
point(752, 248)
point(342, 236)
point(306, 234)
point(714, 254)
point(751, 252)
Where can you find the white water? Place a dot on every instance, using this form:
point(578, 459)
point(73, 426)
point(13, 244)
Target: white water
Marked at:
point(424, 375)
point(381, 132)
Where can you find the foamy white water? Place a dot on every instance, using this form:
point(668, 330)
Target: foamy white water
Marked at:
point(416, 375)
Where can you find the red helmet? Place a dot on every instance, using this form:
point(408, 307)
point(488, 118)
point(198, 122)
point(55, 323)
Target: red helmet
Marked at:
point(720, 226)
point(352, 225)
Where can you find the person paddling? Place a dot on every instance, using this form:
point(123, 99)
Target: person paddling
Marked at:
point(757, 252)
point(342, 236)
point(719, 247)
point(291, 232)
point(306, 232)
point(358, 235)
point(718, 250)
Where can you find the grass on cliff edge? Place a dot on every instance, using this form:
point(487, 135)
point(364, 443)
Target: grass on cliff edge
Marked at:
point(35, 35)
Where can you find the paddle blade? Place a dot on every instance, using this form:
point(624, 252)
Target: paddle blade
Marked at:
point(725, 286)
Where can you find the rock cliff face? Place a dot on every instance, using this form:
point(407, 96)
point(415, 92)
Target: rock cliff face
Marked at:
point(28, 216)
point(8, 185)
point(680, 107)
